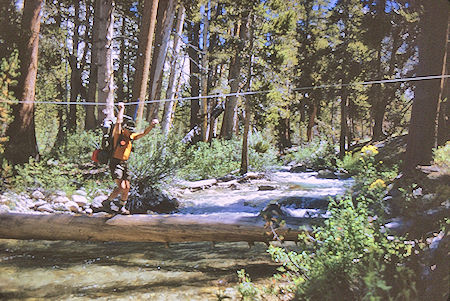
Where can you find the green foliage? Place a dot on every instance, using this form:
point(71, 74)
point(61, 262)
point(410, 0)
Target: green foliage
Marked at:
point(246, 288)
point(222, 157)
point(316, 154)
point(207, 160)
point(79, 146)
point(48, 174)
point(346, 259)
point(155, 160)
point(442, 157)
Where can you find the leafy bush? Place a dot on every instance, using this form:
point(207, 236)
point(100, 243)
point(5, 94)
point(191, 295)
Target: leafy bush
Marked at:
point(262, 154)
point(347, 258)
point(79, 146)
point(48, 174)
point(215, 159)
point(316, 154)
point(155, 160)
point(442, 157)
point(222, 157)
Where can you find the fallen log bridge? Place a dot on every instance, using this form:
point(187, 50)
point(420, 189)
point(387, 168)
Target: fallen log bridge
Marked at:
point(149, 228)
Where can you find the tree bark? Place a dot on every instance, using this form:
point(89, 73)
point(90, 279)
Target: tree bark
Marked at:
point(171, 87)
point(344, 124)
point(194, 78)
point(148, 228)
point(144, 57)
point(163, 29)
point(204, 74)
point(443, 131)
point(105, 89)
point(312, 121)
point(230, 114)
point(90, 121)
point(21, 132)
point(75, 74)
point(121, 96)
point(431, 46)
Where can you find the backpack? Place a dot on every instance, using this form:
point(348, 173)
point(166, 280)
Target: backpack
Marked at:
point(104, 153)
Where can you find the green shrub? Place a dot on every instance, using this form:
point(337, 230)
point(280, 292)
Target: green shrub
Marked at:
point(215, 159)
point(48, 174)
point(79, 146)
point(262, 155)
point(155, 160)
point(316, 155)
point(442, 157)
point(346, 259)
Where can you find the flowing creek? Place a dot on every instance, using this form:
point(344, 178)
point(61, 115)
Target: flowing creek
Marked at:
point(68, 270)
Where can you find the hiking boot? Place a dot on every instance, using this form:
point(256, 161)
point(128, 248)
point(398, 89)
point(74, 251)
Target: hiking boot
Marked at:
point(124, 211)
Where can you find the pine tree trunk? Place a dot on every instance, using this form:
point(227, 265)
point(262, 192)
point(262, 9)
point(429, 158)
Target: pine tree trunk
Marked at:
point(431, 46)
point(344, 124)
point(75, 75)
point(121, 96)
point(194, 29)
point(204, 75)
point(105, 89)
point(21, 132)
point(230, 114)
point(311, 122)
point(163, 29)
point(170, 93)
point(90, 121)
point(443, 131)
point(144, 56)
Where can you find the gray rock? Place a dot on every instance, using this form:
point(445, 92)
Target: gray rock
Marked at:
point(72, 206)
point(37, 195)
point(267, 187)
point(4, 208)
point(88, 211)
point(81, 200)
point(326, 174)
point(97, 205)
point(60, 199)
point(39, 203)
point(46, 208)
point(298, 169)
point(153, 200)
point(81, 192)
point(59, 207)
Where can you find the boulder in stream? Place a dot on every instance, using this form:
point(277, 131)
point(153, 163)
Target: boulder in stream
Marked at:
point(152, 200)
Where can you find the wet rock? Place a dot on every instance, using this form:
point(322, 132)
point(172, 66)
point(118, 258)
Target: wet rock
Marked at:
point(298, 169)
point(152, 200)
point(37, 195)
point(267, 187)
point(305, 202)
point(326, 174)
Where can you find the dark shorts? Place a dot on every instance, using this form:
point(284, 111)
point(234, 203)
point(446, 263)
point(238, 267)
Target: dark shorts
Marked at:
point(119, 169)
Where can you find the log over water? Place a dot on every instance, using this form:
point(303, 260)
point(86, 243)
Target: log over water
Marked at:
point(147, 228)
